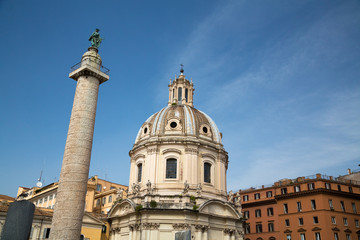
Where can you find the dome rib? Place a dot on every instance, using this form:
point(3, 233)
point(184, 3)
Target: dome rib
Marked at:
point(190, 118)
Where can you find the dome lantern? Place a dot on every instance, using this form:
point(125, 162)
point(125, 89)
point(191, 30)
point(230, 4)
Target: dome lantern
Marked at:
point(181, 90)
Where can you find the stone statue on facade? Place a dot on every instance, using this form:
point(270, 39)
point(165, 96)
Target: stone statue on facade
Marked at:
point(136, 188)
point(95, 39)
point(119, 194)
point(186, 187)
point(199, 189)
point(231, 196)
point(148, 187)
point(238, 201)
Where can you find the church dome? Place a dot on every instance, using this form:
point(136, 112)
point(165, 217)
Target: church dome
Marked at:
point(177, 121)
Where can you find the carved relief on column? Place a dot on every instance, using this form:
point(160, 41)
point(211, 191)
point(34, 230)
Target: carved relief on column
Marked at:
point(181, 226)
point(191, 150)
point(134, 227)
point(229, 231)
point(202, 228)
point(152, 150)
point(151, 226)
point(115, 230)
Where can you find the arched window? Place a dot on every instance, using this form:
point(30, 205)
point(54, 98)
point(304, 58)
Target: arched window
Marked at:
point(139, 172)
point(171, 165)
point(179, 95)
point(186, 94)
point(207, 172)
point(173, 93)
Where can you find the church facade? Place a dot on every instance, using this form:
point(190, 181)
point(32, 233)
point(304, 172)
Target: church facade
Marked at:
point(177, 177)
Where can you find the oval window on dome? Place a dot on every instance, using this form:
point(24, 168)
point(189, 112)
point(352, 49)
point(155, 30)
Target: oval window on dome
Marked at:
point(205, 129)
point(145, 130)
point(173, 124)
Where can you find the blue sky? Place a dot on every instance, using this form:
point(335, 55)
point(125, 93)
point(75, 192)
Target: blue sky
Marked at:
point(280, 78)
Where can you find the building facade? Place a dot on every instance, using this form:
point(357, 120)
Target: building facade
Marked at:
point(314, 207)
point(177, 177)
point(100, 195)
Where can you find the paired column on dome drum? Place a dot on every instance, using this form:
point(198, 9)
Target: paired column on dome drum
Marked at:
point(70, 200)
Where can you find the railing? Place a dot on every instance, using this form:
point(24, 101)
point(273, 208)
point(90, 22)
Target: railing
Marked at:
point(284, 182)
point(85, 62)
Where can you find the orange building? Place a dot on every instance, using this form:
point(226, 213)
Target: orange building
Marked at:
point(316, 207)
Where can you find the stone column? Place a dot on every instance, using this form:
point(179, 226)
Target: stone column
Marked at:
point(70, 201)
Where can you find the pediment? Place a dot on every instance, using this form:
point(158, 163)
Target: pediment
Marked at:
point(139, 156)
point(121, 209)
point(90, 219)
point(347, 230)
point(219, 208)
point(335, 229)
point(171, 150)
point(316, 229)
point(287, 231)
point(301, 230)
point(208, 155)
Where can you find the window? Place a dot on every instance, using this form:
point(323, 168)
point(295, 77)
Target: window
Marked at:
point(139, 172)
point(342, 206)
point(285, 208)
point(301, 221)
point(348, 237)
point(257, 196)
point(46, 233)
point(271, 227)
point(284, 191)
point(350, 189)
point(299, 206)
point(331, 204)
point(357, 223)
point(311, 186)
point(339, 187)
point(112, 187)
point(50, 197)
point(327, 186)
point(345, 222)
point(186, 94)
point(258, 228)
point(179, 95)
point(313, 204)
point(246, 198)
point(316, 220)
point(336, 236)
point(257, 213)
point(246, 214)
point(110, 199)
point(103, 200)
point(297, 189)
point(40, 201)
point(98, 187)
point(98, 202)
point(288, 237)
point(302, 236)
point(270, 211)
point(207, 172)
point(269, 194)
point(317, 236)
point(333, 220)
point(45, 199)
point(171, 168)
point(287, 222)
point(353, 207)
point(247, 228)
